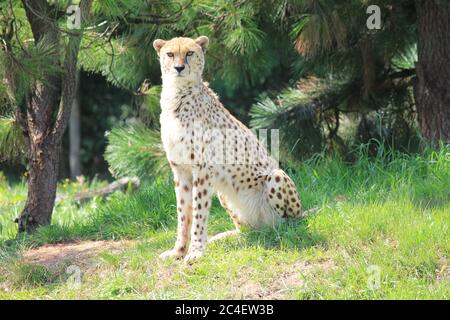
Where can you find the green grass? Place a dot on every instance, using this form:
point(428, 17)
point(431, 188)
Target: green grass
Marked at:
point(381, 232)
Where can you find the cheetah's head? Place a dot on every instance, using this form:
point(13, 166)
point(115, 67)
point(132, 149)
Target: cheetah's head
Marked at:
point(182, 59)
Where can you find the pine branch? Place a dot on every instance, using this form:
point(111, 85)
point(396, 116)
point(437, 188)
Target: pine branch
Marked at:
point(12, 144)
point(135, 151)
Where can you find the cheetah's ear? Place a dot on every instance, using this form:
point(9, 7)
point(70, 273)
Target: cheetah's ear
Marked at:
point(203, 42)
point(158, 44)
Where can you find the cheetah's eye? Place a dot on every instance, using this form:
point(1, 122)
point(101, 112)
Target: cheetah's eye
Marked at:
point(170, 54)
point(189, 53)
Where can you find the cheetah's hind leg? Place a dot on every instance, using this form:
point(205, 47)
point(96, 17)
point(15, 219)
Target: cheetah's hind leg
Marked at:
point(282, 195)
point(233, 216)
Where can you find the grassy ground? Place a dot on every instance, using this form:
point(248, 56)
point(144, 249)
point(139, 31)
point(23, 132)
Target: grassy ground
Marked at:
point(382, 232)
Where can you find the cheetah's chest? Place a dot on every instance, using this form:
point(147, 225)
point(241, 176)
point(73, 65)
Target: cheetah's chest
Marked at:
point(174, 137)
point(179, 130)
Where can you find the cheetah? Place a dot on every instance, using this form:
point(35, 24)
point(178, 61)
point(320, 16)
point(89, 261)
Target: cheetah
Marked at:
point(211, 152)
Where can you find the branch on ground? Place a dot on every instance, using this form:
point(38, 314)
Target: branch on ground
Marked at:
point(121, 184)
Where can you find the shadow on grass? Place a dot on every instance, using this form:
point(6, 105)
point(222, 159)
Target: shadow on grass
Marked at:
point(291, 235)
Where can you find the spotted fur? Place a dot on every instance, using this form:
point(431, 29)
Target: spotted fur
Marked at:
point(211, 152)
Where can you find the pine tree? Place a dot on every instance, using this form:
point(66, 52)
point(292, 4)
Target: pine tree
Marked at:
point(39, 78)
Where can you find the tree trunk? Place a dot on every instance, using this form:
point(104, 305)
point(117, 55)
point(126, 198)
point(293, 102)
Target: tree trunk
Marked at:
point(43, 157)
point(42, 129)
point(75, 134)
point(38, 119)
point(43, 175)
point(432, 88)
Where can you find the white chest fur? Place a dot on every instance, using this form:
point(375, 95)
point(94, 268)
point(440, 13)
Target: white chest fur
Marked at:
point(177, 124)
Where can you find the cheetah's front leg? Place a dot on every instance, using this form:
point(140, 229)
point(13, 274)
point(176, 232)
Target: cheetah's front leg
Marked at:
point(183, 190)
point(202, 195)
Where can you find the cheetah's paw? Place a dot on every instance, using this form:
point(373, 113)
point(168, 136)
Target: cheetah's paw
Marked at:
point(193, 256)
point(172, 254)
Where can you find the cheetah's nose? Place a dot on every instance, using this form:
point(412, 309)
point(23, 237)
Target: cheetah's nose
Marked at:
point(179, 67)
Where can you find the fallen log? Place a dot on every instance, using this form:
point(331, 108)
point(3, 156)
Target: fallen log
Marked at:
point(121, 184)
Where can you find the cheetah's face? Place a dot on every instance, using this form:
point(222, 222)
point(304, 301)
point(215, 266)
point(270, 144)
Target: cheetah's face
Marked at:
point(182, 58)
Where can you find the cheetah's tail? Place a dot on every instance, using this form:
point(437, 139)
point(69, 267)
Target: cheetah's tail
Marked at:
point(309, 212)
